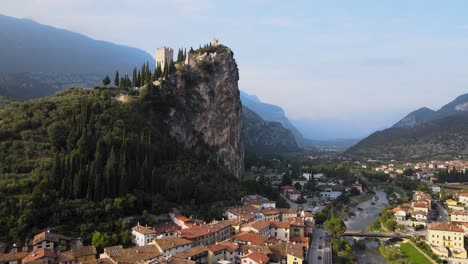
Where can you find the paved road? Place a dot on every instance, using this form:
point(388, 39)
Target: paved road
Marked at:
point(320, 249)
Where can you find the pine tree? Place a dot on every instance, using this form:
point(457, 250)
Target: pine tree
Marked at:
point(116, 79)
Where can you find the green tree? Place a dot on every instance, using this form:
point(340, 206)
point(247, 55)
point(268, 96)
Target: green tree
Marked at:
point(116, 79)
point(320, 217)
point(100, 240)
point(106, 81)
point(335, 226)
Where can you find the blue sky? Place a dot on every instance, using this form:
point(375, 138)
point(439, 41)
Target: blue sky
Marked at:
point(338, 68)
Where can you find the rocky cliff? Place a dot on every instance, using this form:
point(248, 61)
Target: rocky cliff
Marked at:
point(209, 93)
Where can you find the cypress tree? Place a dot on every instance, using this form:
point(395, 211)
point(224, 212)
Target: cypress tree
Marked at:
point(138, 82)
point(134, 77)
point(116, 79)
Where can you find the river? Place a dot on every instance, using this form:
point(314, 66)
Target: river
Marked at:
point(362, 220)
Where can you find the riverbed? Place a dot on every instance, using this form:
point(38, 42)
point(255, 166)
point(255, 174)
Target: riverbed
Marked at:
point(367, 213)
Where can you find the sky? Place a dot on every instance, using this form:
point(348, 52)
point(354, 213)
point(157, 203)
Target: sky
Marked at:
point(340, 69)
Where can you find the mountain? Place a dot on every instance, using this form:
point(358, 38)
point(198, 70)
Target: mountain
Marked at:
point(416, 117)
point(36, 56)
point(99, 155)
point(262, 137)
point(423, 134)
point(272, 113)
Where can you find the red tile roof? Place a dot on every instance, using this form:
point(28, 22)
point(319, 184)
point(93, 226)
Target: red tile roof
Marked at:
point(38, 254)
point(258, 257)
point(441, 226)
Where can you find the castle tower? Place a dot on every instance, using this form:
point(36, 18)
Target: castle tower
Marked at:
point(214, 42)
point(164, 56)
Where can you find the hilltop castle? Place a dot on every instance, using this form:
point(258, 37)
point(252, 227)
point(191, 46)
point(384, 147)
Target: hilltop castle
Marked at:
point(164, 56)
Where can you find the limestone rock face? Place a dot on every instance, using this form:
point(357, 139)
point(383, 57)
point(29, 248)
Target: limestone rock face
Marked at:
point(212, 110)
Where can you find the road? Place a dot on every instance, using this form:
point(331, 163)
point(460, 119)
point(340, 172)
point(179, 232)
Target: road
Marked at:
point(320, 249)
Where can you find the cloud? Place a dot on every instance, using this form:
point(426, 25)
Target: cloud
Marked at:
point(277, 21)
point(383, 62)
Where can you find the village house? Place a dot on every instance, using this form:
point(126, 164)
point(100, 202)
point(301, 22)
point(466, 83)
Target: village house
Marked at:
point(295, 253)
point(451, 202)
point(294, 195)
point(270, 214)
point(142, 235)
point(249, 238)
point(420, 216)
point(463, 197)
point(199, 254)
point(180, 220)
point(226, 251)
point(258, 227)
point(258, 201)
point(12, 257)
point(171, 245)
point(441, 236)
point(300, 182)
point(117, 254)
point(245, 213)
point(399, 213)
point(208, 234)
point(286, 213)
point(56, 242)
point(459, 216)
point(420, 206)
point(357, 186)
point(280, 230)
point(45, 255)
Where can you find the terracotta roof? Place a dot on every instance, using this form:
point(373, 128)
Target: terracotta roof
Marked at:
point(181, 218)
point(216, 247)
point(258, 257)
point(278, 252)
point(450, 201)
point(84, 251)
point(49, 237)
point(420, 205)
point(229, 245)
point(171, 242)
point(441, 226)
point(299, 239)
point(203, 230)
point(178, 260)
point(252, 238)
point(166, 228)
point(13, 256)
point(38, 254)
point(192, 252)
point(296, 250)
point(132, 255)
point(260, 225)
point(460, 212)
point(143, 230)
point(65, 257)
point(269, 211)
point(98, 261)
point(280, 224)
point(286, 211)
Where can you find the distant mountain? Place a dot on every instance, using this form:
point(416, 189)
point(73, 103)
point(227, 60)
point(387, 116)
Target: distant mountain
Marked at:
point(423, 134)
point(263, 137)
point(29, 49)
point(272, 113)
point(416, 117)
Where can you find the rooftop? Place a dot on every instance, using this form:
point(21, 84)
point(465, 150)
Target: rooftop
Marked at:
point(258, 257)
point(143, 230)
point(171, 242)
point(440, 226)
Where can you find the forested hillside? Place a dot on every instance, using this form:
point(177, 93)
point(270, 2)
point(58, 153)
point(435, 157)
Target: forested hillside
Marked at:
point(63, 157)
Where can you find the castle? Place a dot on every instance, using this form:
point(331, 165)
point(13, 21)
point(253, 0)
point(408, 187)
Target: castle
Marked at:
point(164, 56)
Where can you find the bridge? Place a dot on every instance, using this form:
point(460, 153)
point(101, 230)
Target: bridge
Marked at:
point(358, 233)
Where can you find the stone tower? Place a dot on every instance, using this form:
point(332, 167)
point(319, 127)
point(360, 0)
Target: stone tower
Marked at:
point(164, 56)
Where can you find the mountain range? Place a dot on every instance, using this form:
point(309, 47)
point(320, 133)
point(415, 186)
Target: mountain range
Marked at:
point(422, 134)
point(37, 60)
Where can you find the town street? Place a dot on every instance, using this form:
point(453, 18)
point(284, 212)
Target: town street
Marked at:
point(443, 215)
point(320, 249)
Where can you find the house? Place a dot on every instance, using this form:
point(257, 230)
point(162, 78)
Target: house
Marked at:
point(463, 197)
point(451, 202)
point(357, 186)
point(258, 227)
point(307, 175)
point(258, 201)
point(199, 254)
point(245, 213)
point(420, 206)
point(280, 230)
point(12, 257)
point(171, 245)
point(420, 216)
point(286, 213)
point(295, 253)
point(294, 195)
point(48, 240)
point(441, 236)
point(117, 254)
point(300, 182)
point(226, 251)
point(459, 216)
point(255, 258)
point(297, 227)
point(44, 254)
point(142, 235)
point(286, 189)
point(180, 220)
point(319, 176)
point(399, 213)
point(436, 189)
point(249, 238)
point(270, 214)
point(208, 234)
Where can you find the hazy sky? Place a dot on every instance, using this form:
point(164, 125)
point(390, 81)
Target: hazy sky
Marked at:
point(358, 65)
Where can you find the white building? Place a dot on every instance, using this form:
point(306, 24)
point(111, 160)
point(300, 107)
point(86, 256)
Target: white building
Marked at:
point(142, 235)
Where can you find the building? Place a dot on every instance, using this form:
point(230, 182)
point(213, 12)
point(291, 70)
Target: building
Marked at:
point(44, 255)
point(208, 234)
point(294, 195)
point(451, 202)
point(357, 186)
point(258, 227)
point(286, 213)
point(199, 254)
point(399, 213)
point(13, 257)
point(280, 230)
point(255, 258)
point(441, 236)
point(270, 214)
point(258, 201)
point(244, 213)
point(142, 235)
point(164, 56)
point(463, 197)
point(171, 245)
point(301, 182)
point(295, 253)
point(330, 194)
point(459, 216)
point(54, 241)
point(117, 254)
